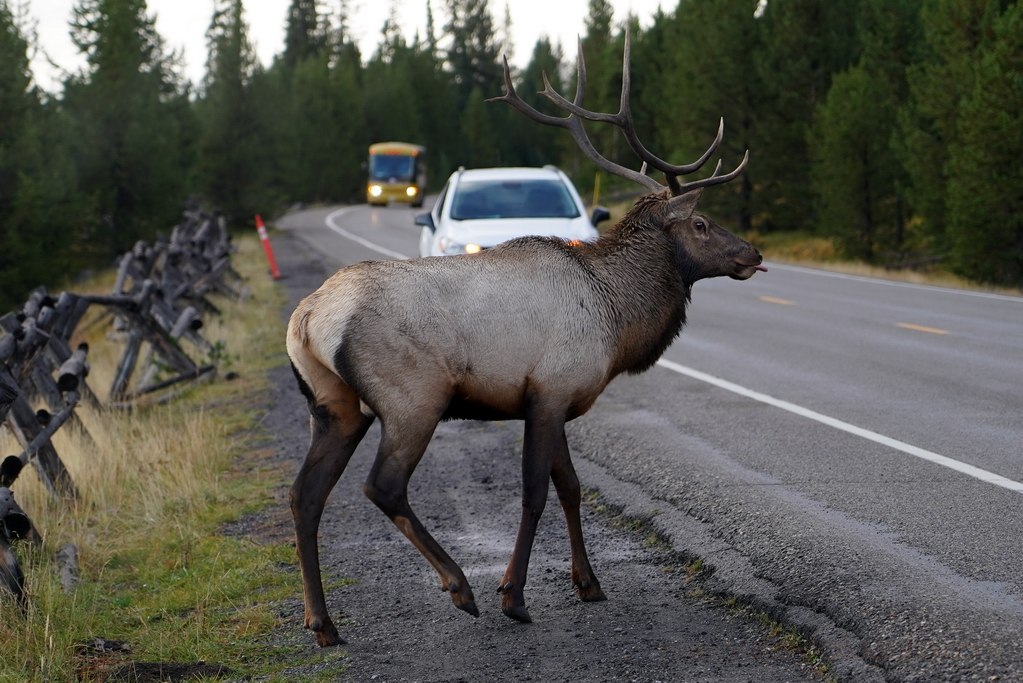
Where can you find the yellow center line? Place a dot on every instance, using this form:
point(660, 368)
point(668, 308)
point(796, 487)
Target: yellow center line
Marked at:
point(922, 328)
point(776, 300)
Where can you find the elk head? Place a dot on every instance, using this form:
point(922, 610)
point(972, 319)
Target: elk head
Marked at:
point(709, 249)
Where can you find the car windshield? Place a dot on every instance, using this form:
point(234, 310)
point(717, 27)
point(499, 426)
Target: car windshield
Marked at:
point(387, 166)
point(538, 198)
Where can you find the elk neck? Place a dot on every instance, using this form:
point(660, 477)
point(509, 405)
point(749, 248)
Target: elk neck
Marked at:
point(642, 274)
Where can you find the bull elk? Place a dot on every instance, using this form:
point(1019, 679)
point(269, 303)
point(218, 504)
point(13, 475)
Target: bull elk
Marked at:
point(533, 330)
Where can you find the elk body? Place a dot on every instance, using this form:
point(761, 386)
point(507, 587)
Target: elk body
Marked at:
point(533, 329)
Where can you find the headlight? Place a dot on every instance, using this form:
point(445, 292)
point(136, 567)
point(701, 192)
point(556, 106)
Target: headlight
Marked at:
point(410, 191)
point(376, 190)
point(451, 248)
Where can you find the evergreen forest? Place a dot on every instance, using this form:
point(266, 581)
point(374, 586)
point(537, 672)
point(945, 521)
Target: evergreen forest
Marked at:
point(891, 127)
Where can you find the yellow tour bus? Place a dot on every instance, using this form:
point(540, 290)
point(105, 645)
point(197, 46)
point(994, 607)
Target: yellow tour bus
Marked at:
point(397, 172)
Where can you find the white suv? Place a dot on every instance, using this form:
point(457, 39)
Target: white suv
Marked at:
point(481, 207)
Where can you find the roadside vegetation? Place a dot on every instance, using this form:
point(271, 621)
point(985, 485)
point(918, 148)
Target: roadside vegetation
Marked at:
point(157, 572)
point(811, 250)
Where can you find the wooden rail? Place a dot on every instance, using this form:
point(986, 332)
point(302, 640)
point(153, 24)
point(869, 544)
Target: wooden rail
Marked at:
point(161, 294)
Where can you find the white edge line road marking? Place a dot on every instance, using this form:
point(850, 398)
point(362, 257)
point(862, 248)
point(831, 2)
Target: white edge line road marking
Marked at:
point(961, 467)
point(329, 220)
point(892, 283)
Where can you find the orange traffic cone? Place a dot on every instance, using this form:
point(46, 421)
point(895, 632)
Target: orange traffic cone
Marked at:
point(261, 229)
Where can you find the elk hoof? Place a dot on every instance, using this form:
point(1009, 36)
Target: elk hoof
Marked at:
point(589, 591)
point(326, 634)
point(518, 613)
point(512, 603)
point(468, 606)
point(463, 598)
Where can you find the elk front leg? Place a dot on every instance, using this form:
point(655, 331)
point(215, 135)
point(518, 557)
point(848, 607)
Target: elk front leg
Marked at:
point(567, 485)
point(331, 447)
point(542, 436)
point(387, 486)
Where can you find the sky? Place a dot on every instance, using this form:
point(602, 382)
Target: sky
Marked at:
point(183, 23)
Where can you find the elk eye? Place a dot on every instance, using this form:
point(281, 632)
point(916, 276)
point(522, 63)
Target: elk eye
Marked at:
point(700, 225)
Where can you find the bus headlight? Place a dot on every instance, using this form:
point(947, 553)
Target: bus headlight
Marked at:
point(375, 190)
point(410, 191)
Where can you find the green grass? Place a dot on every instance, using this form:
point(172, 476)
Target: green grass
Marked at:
point(157, 570)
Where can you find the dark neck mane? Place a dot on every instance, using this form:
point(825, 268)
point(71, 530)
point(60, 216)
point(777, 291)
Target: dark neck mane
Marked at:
point(643, 275)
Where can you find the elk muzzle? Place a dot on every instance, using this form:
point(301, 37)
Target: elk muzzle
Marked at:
point(747, 263)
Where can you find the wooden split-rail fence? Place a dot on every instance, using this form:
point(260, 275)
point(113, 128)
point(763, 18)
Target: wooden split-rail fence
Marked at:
point(161, 295)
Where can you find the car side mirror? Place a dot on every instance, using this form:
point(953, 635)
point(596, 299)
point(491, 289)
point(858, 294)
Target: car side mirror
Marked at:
point(599, 215)
point(426, 220)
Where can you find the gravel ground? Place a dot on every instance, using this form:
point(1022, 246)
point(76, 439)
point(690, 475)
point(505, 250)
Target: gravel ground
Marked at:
point(399, 626)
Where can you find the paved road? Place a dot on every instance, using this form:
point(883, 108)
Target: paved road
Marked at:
point(843, 452)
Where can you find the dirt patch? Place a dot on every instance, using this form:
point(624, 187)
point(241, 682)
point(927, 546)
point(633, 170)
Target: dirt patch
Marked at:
point(105, 660)
point(166, 672)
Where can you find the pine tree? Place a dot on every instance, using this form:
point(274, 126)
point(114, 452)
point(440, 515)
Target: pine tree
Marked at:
point(349, 119)
point(435, 99)
point(128, 133)
point(985, 176)
point(858, 186)
point(475, 68)
point(34, 234)
point(536, 145)
point(230, 152)
point(890, 35)
point(431, 32)
point(480, 145)
point(280, 171)
point(391, 95)
point(473, 52)
point(17, 103)
point(952, 32)
point(304, 34)
point(603, 77)
point(712, 74)
point(852, 170)
point(506, 45)
point(804, 43)
point(655, 82)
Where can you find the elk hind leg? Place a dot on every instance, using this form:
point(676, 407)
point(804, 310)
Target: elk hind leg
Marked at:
point(337, 426)
point(566, 483)
point(401, 449)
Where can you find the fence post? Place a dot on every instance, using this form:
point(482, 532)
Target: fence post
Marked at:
point(39, 451)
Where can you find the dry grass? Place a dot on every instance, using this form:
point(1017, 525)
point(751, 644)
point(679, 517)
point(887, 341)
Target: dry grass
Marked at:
point(814, 251)
point(156, 485)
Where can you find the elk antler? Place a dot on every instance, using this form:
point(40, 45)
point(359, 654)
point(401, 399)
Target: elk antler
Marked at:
point(623, 120)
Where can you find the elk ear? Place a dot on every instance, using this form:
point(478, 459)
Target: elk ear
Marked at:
point(683, 206)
